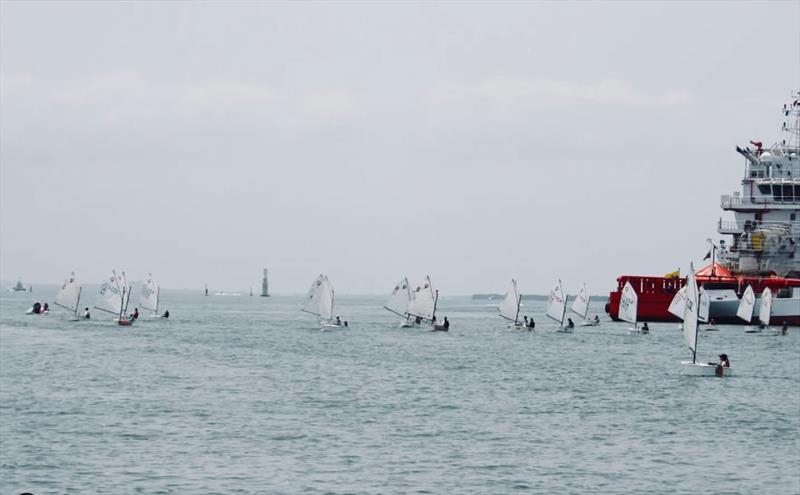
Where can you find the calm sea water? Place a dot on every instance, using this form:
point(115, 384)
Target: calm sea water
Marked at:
point(246, 395)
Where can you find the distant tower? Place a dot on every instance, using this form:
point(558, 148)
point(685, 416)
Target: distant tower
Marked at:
point(265, 285)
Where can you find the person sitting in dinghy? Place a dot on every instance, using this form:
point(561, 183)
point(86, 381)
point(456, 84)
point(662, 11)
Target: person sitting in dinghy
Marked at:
point(723, 361)
point(570, 324)
point(531, 324)
point(135, 315)
point(338, 321)
point(86, 314)
point(166, 313)
point(645, 328)
point(37, 308)
point(596, 319)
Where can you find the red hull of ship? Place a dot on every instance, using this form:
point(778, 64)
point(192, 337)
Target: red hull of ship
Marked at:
point(656, 294)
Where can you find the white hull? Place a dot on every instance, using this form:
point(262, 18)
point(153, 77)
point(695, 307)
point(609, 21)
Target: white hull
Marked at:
point(702, 369)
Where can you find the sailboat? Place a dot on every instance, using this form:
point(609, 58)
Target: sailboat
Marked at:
point(703, 309)
point(114, 296)
point(765, 312)
point(509, 306)
point(629, 307)
point(319, 302)
point(424, 299)
point(690, 327)
point(580, 306)
point(69, 297)
point(149, 296)
point(746, 305)
point(400, 301)
point(557, 306)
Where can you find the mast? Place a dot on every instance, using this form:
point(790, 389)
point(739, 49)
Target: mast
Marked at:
point(519, 300)
point(78, 301)
point(435, 302)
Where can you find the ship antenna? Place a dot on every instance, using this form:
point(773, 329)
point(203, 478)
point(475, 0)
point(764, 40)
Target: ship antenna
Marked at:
point(791, 126)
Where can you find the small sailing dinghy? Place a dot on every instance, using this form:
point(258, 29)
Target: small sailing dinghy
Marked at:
point(765, 313)
point(580, 306)
point(149, 296)
point(690, 327)
point(557, 307)
point(114, 296)
point(703, 310)
point(319, 302)
point(400, 301)
point(424, 299)
point(69, 297)
point(509, 307)
point(629, 307)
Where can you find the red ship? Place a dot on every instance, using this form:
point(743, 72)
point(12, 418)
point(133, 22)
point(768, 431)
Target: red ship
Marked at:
point(724, 288)
point(764, 251)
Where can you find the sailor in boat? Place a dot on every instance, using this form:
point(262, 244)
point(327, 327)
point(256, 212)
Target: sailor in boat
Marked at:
point(525, 321)
point(645, 328)
point(723, 363)
point(345, 323)
point(45, 308)
point(338, 321)
point(86, 314)
point(596, 319)
point(784, 328)
point(166, 313)
point(37, 308)
point(531, 324)
point(570, 324)
point(444, 327)
point(418, 320)
point(135, 314)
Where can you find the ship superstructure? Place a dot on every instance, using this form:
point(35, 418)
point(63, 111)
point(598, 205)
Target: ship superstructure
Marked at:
point(766, 225)
point(763, 251)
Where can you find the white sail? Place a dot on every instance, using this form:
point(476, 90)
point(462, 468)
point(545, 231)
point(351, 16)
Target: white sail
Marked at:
point(148, 298)
point(746, 305)
point(557, 303)
point(112, 294)
point(326, 300)
point(423, 300)
point(765, 311)
point(678, 305)
point(704, 306)
point(581, 304)
point(400, 299)
point(312, 304)
point(690, 315)
point(70, 294)
point(628, 304)
point(509, 307)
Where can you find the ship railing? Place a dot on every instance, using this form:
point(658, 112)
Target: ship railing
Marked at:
point(736, 227)
point(727, 201)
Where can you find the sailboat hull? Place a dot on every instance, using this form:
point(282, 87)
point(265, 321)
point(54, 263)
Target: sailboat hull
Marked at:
point(703, 369)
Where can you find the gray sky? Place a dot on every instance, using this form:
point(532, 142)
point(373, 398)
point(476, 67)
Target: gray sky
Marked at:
point(473, 142)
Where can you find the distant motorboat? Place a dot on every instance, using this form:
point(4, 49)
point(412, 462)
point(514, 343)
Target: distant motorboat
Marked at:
point(18, 287)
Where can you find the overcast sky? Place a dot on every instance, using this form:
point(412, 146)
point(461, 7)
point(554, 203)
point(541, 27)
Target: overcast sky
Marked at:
point(474, 142)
